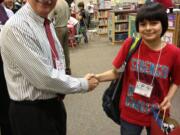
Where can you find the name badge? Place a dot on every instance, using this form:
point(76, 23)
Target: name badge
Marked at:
point(59, 65)
point(143, 89)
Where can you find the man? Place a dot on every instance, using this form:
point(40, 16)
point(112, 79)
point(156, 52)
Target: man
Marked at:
point(4, 97)
point(90, 9)
point(83, 21)
point(9, 4)
point(34, 68)
point(61, 15)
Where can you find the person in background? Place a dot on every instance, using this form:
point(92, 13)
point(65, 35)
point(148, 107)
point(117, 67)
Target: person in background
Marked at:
point(73, 9)
point(34, 69)
point(4, 97)
point(9, 4)
point(18, 5)
point(61, 14)
point(69, 2)
point(90, 9)
point(82, 22)
point(168, 4)
point(8, 9)
point(148, 67)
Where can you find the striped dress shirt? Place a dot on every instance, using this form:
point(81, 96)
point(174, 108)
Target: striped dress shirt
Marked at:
point(28, 64)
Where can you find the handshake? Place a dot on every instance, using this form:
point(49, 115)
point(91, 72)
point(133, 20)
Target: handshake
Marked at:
point(93, 81)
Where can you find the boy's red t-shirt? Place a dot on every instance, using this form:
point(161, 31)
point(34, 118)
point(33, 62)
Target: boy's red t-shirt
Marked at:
point(136, 109)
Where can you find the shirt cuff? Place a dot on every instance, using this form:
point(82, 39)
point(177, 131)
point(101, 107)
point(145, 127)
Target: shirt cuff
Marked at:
point(84, 84)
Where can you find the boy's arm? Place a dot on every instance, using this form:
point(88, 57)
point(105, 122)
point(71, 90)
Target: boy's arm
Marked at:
point(166, 103)
point(107, 75)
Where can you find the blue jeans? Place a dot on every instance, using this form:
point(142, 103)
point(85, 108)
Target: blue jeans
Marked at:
point(132, 129)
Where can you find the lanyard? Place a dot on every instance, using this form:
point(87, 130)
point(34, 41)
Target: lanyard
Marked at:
point(155, 67)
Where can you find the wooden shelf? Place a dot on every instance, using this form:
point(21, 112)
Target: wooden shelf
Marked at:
point(103, 15)
point(118, 25)
point(170, 28)
point(121, 21)
point(102, 9)
point(105, 25)
point(102, 33)
point(121, 31)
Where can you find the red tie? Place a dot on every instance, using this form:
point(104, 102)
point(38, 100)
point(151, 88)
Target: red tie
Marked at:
point(53, 49)
point(51, 41)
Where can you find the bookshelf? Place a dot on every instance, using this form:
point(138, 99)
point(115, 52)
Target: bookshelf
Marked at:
point(173, 33)
point(103, 15)
point(132, 28)
point(118, 25)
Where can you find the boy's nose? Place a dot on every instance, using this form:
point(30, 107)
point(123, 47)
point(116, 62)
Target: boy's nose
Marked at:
point(148, 26)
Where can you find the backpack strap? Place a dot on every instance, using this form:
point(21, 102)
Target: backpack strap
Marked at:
point(133, 47)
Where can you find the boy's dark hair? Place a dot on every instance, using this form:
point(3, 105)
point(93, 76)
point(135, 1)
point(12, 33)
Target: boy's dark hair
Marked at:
point(152, 11)
point(81, 4)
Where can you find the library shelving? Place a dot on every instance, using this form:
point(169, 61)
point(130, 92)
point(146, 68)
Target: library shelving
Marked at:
point(132, 28)
point(173, 33)
point(118, 25)
point(103, 15)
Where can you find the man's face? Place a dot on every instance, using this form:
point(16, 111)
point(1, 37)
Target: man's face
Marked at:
point(42, 7)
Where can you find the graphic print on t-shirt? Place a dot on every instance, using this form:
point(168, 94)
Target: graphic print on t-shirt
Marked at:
point(147, 67)
point(146, 71)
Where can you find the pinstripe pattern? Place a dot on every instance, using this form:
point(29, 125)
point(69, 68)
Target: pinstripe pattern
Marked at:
point(28, 65)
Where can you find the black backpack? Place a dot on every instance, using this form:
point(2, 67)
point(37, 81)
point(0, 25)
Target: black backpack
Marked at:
point(112, 95)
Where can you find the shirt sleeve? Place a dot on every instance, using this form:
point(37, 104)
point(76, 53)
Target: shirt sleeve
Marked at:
point(21, 48)
point(121, 55)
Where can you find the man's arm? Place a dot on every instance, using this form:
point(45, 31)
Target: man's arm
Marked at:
point(21, 48)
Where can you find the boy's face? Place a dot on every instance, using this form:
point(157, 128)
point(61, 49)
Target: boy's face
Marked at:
point(150, 30)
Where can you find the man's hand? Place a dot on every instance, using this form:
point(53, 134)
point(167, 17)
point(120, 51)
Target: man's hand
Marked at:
point(89, 76)
point(92, 81)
